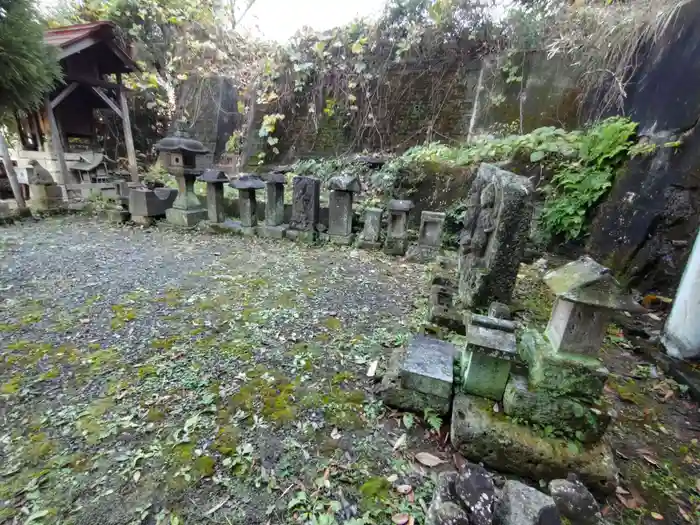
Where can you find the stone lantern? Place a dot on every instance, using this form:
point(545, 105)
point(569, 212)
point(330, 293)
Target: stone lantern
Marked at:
point(178, 155)
point(587, 295)
point(215, 180)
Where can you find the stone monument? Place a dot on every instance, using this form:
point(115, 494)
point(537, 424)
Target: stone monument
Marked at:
point(215, 180)
point(274, 226)
point(306, 204)
point(247, 203)
point(443, 292)
point(493, 238)
point(178, 155)
point(340, 213)
point(369, 238)
point(44, 193)
point(429, 237)
point(397, 227)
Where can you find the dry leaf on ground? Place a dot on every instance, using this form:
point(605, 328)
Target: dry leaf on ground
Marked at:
point(424, 458)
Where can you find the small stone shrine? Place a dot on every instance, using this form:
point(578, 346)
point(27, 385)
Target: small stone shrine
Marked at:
point(369, 238)
point(215, 180)
point(44, 193)
point(429, 237)
point(306, 204)
point(274, 226)
point(247, 203)
point(178, 155)
point(342, 188)
point(397, 228)
point(443, 291)
point(493, 238)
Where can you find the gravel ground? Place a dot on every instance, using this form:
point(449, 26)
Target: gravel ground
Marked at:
point(158, 376)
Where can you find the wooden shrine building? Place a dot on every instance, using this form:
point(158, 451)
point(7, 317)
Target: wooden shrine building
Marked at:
point(62, 135)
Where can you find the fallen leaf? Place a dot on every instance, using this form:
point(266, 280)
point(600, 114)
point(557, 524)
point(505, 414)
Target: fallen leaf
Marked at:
point(137, 476)
point(411, 521)
point(372, 370)
point(605, 510)
point(400, 442)
point(459, 461)
point(335, 434)
point(697, 484)
point(657, 516)
point(621, 490)
point(400, 519)
point(392, 478)
point(496, 409)
point(683, 513)
point(404, 489)
point(428, 460)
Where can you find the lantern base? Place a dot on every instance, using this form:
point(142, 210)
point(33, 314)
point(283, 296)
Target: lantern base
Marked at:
point(187, 218)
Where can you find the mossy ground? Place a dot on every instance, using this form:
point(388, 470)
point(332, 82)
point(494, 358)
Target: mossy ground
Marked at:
point(233, 388)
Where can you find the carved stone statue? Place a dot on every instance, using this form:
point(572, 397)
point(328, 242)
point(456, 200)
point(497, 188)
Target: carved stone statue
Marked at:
point(495, 231)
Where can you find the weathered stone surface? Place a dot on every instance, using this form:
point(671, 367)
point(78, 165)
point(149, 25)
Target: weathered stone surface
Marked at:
point(491, 438)
point(577, 328)
point(522, 505)
point(186, 218)
point(394, 395)
point(443, 509)
point(231, 226)
point(340, 214)
point(248, 182)
point(369, 238)
point(565, 415)
point(483, 375)
point(492, 323)
point(274, 208)
point(499, 311)
point(305, 204)
point(344, 183)
point(272, 232)
point(247, 208)
point(575, 502)
point(215, 202)
point(430, 232)
point(213, 176)
point(276, 177)
point(474, 488)
point(396, 234)
point(491, 337)
point(118, 216)
point(428, 365)
point(561, 373)
point(494, 236)
point(150, 203)
point(38, 174)
point(45, 196)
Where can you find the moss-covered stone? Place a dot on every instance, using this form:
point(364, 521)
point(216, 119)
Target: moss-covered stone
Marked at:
point(558, 415)
point(409, 400)
point(561, 373)
point(485, 436)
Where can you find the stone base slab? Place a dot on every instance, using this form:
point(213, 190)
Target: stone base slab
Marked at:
point(186, 218)
point(446, 317)
point(421, 253)
point(482, 435)
point(143, 220)
point(428, 366)
point(118, 216)
point(395, 246)
point(304, 236)
point(273, 232)
point(342, 240)
point(368, 245)
point(395, 396)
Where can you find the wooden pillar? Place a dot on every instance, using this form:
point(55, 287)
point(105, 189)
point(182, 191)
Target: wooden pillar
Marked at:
point(11, 175)
point(57, 145)
point(128, 137)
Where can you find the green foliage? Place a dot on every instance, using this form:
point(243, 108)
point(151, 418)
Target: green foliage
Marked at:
point(29, 69)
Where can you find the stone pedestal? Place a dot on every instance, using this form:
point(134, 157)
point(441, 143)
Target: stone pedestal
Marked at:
point(45, 197)
point(481, 435)
point(369, 238)
point(305, 209)
point(488, 355)
point(429, 237)
point(274, 226)
point(443, 290)
point(495, 231)
point(397, 234)
point(215, 180)
point(340, 213)
point(247, 204)
point(186, 211)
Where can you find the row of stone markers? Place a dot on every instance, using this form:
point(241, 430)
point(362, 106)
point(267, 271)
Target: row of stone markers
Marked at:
point(521, 401)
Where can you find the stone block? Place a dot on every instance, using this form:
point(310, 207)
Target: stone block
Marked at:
point(430, 232)
point(577, 328)
point(446, 317)
point(215, 202)
point(396, 235)
point(521, 504)
point(499, 311)
point(561, 373)
point(483, 375)
point(186, 218)
point(481, 435)
point(428, 366)
point(273, 232)
point(45, 197)
point(567, 416)
point(394, 395)
point(274, 208)
point(342, 240)
point(306, 197)
point(369, 238)
point(150, 203)
point(118, 216)
point(340, 213)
